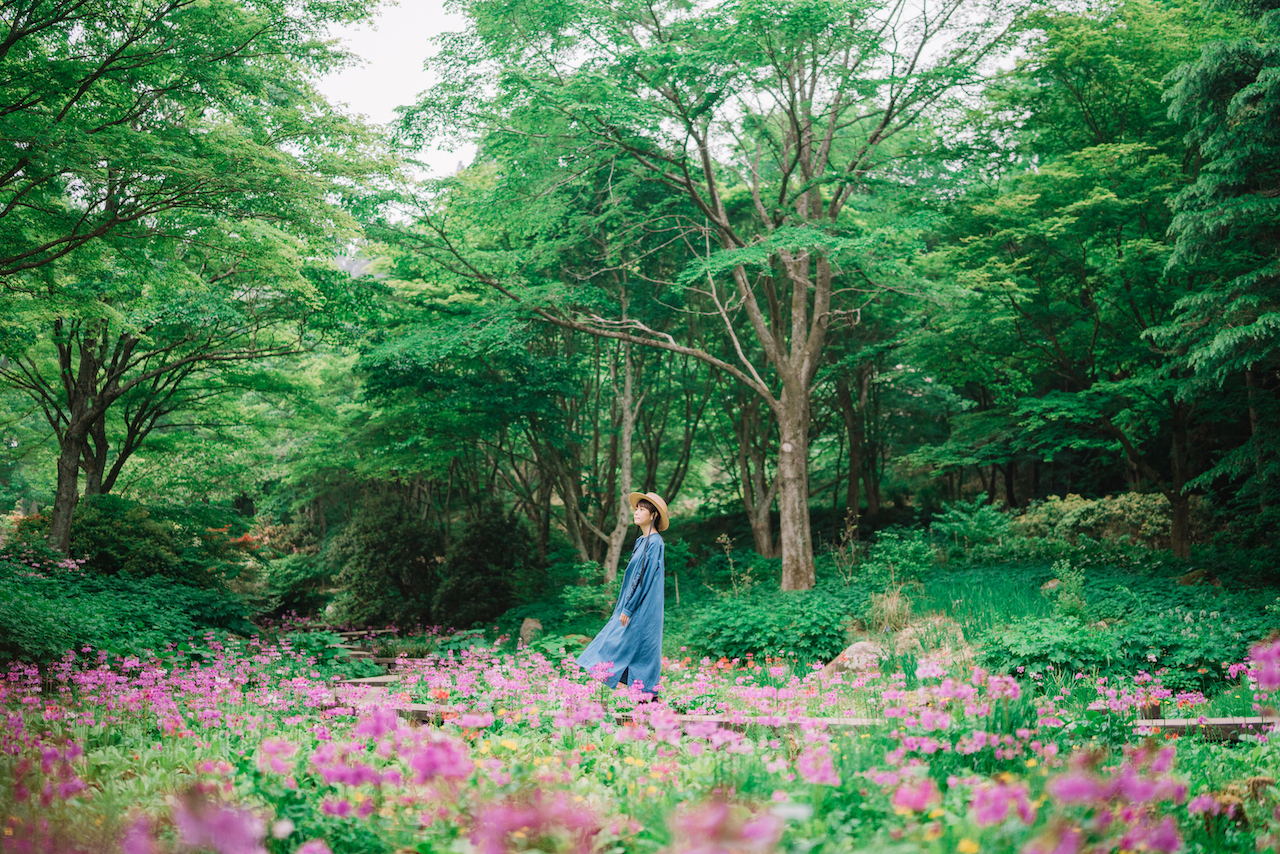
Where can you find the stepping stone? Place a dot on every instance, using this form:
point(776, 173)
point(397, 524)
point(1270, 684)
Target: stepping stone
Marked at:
point(373, 681)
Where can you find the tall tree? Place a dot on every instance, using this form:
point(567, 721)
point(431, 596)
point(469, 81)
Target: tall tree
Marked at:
point(1227, 227)
point(766, 117)
point(115, 113)
point(1066, 263)
point(171, 169)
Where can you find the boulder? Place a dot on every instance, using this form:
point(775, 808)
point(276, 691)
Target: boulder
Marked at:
point(862, 655)
point(529, 630)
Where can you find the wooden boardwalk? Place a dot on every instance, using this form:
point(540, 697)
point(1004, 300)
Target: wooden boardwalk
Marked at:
point(1217, 729)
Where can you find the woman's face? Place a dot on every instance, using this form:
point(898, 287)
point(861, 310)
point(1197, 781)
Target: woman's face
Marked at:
point(642, 516)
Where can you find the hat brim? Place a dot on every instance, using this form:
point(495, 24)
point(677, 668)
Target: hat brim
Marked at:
point(664, 515)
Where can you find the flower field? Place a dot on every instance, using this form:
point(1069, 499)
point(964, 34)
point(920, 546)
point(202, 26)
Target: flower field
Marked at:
point(248, 746)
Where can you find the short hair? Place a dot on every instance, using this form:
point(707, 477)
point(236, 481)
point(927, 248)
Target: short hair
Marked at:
point(648, 505)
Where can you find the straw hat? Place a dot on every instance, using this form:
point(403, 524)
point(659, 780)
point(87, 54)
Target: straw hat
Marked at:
point(664, 518)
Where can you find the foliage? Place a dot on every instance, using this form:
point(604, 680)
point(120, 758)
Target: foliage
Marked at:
point(1225, 224)
point(386, 561)
point(1142, 518)
point(898, 557)
point(296, 582)
point(202, 546)
point(973, 522)
point(484, 569)
point(49, 604)
point(809, 626)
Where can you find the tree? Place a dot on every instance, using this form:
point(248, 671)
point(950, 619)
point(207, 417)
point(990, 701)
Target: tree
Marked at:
point(189, 134)
point(115, 114)
point(1066, 264)
point(767, 118)
point(1227, 228)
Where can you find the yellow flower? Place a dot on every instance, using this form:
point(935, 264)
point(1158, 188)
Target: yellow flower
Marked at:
point(508, 744)
point(938, 813)
point(1032, 762)
point(967, 846)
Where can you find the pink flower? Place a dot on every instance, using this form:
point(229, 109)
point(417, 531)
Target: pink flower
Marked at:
point(1205, 803)
point(1266, 657)
point(314, 846)
point(917, 796)
point(1144, 837)
point(435, 759)
point(717, 827)
point(1076, 787)
point(990, 804)
point(202, 824)
point(137, 838)
point(535, 818)
point(815, 766)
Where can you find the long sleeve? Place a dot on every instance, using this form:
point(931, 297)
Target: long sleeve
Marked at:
point(651, 571)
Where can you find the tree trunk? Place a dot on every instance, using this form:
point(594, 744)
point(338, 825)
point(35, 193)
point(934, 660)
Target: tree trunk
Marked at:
point(793, 492)
point(68, 492)
point(757, 494)
point(1010, 478)
point(1179, 501)
point(1180, 530)
point(84, 407)
point(625, 430)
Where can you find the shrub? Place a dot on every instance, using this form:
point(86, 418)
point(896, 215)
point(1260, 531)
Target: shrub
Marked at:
point(1034, 644)
point(202, 546)
point(479, 576)
point(966, 524)
point(898, 557)
point(295, 582)
point(1142, 518)
point(48, 605)
point(386, 561)
point(812, 624)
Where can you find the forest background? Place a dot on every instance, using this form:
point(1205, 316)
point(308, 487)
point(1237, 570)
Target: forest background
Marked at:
point(812, 271)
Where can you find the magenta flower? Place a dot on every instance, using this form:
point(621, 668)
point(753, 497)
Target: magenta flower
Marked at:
point(137, 838)
point(717, 827)
point(1266, 658)
point(536, 818)
point(314, 846)
point(439, 759)
point(202, 824)
point(1205, 803)
point(1145, 837)
point(1076, 787)
point(917, 795)
point(815, 766)
point(991, 804)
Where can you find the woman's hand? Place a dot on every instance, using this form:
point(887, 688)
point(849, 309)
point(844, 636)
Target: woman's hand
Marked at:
point(624, 619)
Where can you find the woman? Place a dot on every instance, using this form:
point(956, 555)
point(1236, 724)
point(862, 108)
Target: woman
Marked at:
point(631, 642)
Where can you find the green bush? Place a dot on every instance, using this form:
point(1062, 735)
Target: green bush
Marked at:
point(966, 524)
point(386, 561)
point(1061, 642)
point(812, 625)
point(1139, 518)
point(201, 546)
point(484, 567)
point(898, 557)
point(295, 582)
point(49, 605)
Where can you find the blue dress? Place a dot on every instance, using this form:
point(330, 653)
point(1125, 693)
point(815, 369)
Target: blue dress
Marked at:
point(635, 649)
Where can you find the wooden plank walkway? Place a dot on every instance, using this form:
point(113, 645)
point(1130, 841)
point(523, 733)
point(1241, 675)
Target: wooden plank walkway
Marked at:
point(1216, 729)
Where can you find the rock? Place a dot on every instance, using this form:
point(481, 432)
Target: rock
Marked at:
point(1051, 584)
point(1199, 577)
point(529, 629)
point(860, 656)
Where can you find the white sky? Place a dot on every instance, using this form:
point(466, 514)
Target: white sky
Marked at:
point(393, 48)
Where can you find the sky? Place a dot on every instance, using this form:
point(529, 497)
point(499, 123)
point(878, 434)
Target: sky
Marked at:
point(393, 48)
